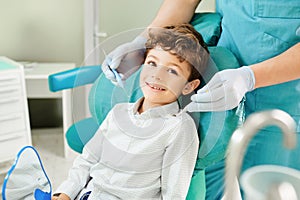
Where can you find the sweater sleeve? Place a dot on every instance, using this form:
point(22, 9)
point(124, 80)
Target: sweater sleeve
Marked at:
point(79, 174)
point(179, 161)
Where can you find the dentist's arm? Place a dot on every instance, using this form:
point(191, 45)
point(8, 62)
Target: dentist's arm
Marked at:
point(282, 68)
point(227, 88)
point(130, 56)
point(175, 12)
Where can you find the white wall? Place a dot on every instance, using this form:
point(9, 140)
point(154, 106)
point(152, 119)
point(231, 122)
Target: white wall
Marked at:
point(42, 30)
point(122, 24)
point(52, 30)
point(113, 18)
point(206, 6)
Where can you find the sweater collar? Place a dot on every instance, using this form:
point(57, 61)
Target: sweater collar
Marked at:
point(155, 112)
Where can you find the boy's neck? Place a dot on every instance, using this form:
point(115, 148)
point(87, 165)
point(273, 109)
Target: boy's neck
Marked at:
point(146, 105)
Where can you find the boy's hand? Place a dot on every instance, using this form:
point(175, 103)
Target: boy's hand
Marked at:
point(62, 196)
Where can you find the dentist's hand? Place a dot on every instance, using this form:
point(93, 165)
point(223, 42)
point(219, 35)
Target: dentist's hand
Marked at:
point(126, 57)
point(224, 91)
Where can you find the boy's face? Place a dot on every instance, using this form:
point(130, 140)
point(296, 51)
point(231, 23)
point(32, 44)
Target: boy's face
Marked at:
point(163, 78)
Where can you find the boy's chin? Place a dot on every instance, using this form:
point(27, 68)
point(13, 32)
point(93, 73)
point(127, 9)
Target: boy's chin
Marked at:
point(158, 100)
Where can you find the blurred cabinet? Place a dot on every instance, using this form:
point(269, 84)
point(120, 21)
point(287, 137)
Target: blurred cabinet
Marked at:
point(14, 117)
point(36, 77)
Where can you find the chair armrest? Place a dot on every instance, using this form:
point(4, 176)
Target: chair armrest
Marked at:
point(73, 78)
point(80, 133)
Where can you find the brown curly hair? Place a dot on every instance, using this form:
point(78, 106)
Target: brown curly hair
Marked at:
point(183, 41)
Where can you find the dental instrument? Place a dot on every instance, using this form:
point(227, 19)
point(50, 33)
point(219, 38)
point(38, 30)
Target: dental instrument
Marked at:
point(119, 81)
point(118, 77)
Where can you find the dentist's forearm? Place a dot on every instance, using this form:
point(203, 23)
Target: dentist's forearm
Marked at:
point(279, 69)
point(175, 12)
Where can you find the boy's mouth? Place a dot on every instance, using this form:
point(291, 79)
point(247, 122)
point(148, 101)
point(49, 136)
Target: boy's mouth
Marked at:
point(155, 87)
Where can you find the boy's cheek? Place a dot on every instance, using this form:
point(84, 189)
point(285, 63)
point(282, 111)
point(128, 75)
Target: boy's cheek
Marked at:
point(145, 73)
point(176, 87)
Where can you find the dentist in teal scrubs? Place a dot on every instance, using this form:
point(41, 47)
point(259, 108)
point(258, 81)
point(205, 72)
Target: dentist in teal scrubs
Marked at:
point(264, 35)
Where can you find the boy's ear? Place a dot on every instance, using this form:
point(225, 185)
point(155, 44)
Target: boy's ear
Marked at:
point(190, 86)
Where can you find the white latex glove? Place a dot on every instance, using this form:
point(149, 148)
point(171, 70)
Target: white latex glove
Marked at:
point(224, 91)
point(128, 55)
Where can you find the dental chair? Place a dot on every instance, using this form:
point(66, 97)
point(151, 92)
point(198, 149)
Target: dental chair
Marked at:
point(215, 128)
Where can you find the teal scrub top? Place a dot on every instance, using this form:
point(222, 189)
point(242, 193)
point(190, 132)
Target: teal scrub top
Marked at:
point(255, 30)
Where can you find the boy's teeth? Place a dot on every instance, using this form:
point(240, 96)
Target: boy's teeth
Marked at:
point(157, 88)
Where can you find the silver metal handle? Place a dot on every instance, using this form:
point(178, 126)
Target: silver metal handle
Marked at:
point(100, 34)
point(243, 135)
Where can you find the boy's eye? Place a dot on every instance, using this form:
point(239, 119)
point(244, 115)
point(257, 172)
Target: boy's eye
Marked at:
point(151, 63)
point(172, 71)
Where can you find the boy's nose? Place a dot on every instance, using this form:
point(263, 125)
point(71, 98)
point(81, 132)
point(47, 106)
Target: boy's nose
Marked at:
point(158, 73)
point(155, 76)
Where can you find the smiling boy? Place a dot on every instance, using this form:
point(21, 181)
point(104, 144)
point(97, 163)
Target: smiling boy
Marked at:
point(147, 149)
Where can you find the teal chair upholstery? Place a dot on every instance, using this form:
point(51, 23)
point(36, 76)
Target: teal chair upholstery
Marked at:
point(215, 128)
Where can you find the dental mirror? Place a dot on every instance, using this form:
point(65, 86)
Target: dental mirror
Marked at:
point(27, 179)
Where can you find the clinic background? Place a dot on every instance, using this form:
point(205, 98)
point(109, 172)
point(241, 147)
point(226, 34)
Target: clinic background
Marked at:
point(56, 31)
point(62, 31)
